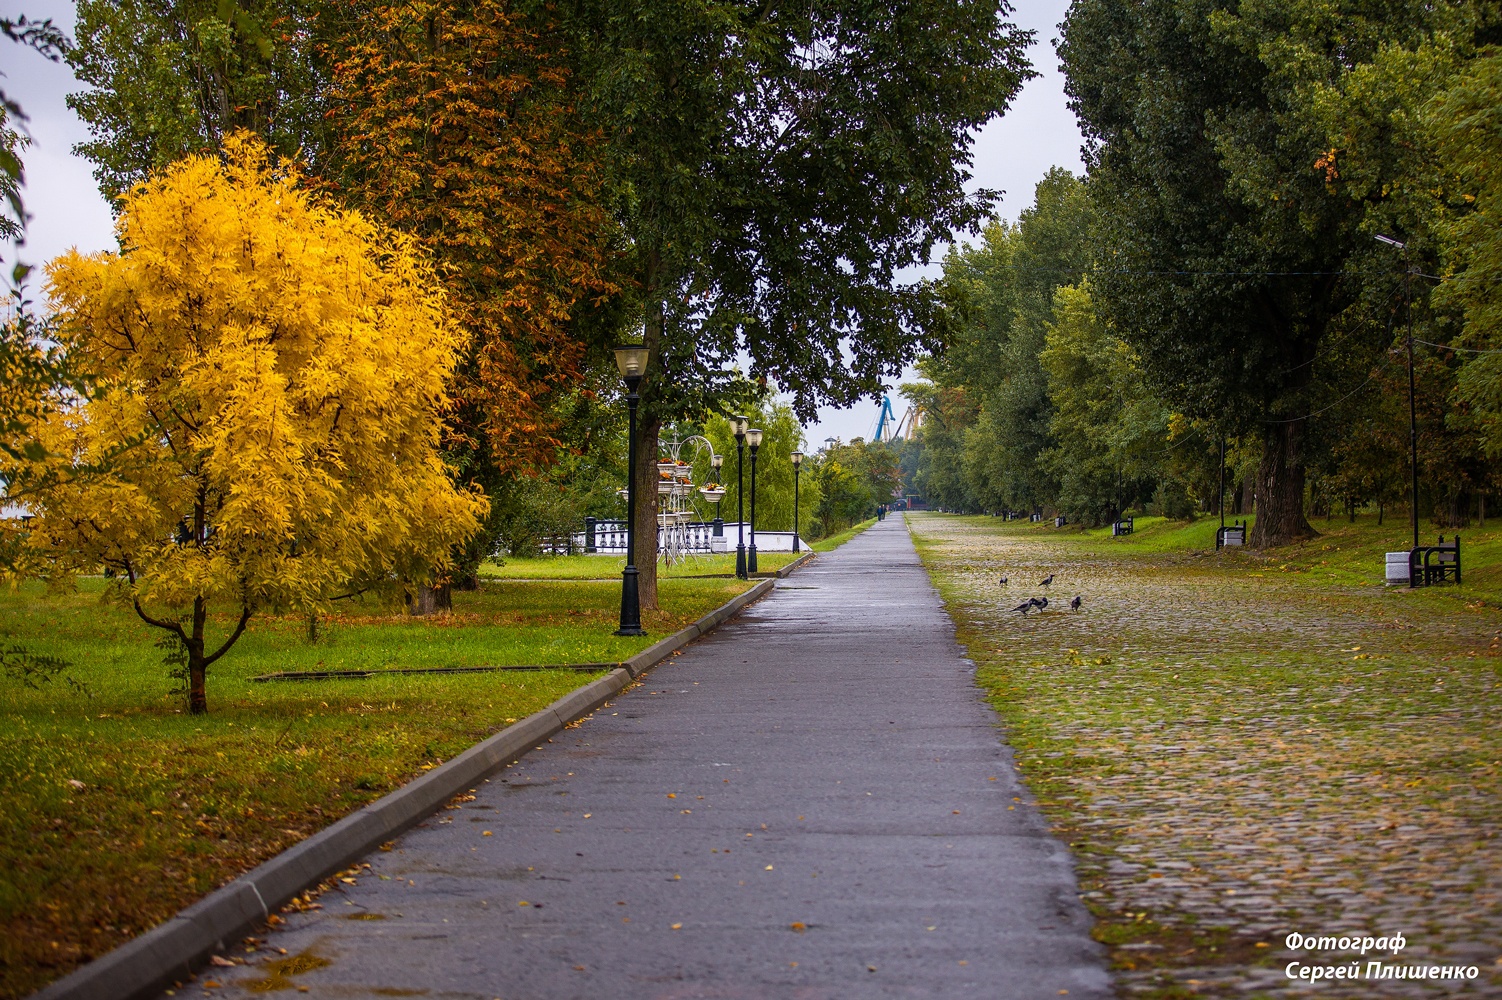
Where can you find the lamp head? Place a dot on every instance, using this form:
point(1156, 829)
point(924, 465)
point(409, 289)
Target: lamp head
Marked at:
point(631, 359)
point(753, 438)
point(1391, 242)
point(797, 459)
point(715, 461)
point(739, 424)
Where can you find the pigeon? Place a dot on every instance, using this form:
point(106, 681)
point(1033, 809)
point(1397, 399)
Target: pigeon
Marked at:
point(1078, 600)
point(1047, 581)
point(1024, 607)
point(1003, 581)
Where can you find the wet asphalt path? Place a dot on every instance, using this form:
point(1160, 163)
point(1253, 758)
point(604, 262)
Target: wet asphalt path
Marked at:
point(813, 802)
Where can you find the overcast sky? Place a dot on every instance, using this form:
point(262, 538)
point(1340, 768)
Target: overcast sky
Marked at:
point(1011, 154)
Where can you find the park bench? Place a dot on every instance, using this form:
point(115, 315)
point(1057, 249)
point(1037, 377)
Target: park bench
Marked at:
point(1230, 534)
point(1123, 527)
point(1431, 564)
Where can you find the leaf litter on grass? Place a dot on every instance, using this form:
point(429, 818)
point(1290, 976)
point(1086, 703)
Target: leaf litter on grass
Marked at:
point(1229, 771)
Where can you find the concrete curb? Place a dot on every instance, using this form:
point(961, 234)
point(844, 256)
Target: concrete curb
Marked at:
point(176, 949)
point(802, 560)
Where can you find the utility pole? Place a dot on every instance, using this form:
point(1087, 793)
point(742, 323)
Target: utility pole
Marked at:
point(1413, 418)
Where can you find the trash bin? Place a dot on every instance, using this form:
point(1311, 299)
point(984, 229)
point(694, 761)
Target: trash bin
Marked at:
point(1397, 569)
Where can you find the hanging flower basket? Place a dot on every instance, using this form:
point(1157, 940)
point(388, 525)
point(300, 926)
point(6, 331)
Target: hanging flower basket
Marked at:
point(714, 493)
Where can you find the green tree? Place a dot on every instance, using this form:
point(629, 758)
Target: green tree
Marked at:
point(781, 436)
point(853, 480)
point(169, 78)
point(1110, 433)
point(937, 454)
point(1465, 122)
point(1221, 255)
point(774, 170)
point(1004, 289)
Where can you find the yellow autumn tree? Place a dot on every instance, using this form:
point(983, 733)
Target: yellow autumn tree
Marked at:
point(269, 376)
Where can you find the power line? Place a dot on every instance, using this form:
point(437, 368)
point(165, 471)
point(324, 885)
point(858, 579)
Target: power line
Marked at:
point(1293, 420)
point(1450, 347)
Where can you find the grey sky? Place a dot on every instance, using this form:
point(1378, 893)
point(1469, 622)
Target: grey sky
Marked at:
point(1012, 154)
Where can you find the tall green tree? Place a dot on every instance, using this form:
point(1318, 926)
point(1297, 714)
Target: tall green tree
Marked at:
point(1465, 122)
point(1004, 289)
point(1221, 255)
point(775, 167)
point(1109, 432)
point(168, 78)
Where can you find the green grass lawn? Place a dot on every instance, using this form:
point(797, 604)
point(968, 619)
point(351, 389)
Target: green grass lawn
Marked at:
point(835, 541)
point(121, 809)
point(608, 567)
point(1237, 745)
point(1345, 554)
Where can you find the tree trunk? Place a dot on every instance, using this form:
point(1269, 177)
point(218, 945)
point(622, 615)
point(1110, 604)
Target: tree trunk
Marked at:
point(430, 600)
point(1280, 489)
point(647, 431)
point(198, 698)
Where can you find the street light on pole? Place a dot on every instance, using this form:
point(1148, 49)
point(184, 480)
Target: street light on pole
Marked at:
point(1413, 419)
point(753, 438)
point(632, 362)
point(740, 424)
point(797, 468)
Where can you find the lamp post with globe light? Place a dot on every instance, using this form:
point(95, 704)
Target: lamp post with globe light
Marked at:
point(797, 468)
point(740, 424)
point(753, 438)
point(632, 362)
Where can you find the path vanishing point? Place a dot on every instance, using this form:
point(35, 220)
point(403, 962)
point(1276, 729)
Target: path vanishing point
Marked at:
point(812, 802)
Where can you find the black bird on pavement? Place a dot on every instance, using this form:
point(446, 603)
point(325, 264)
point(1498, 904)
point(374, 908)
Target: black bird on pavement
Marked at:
point(1046, 582)
point(1038, 602)
point(1003, 581)
point(1024, 607)
point(1078, 600)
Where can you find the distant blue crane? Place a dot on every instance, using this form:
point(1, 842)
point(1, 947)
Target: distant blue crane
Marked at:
point(889, 428)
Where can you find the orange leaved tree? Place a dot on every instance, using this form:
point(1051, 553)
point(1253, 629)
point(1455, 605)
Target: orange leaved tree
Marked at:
point(267, 371)
point(454, 120)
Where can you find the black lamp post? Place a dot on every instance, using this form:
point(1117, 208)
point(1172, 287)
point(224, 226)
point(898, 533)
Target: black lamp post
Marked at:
point(753, 438)
point(632, 361)
point(740, 424)
point(797, 468)
point(718, 525)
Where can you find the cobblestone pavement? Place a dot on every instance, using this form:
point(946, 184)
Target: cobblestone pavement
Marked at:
point(1236, 756)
